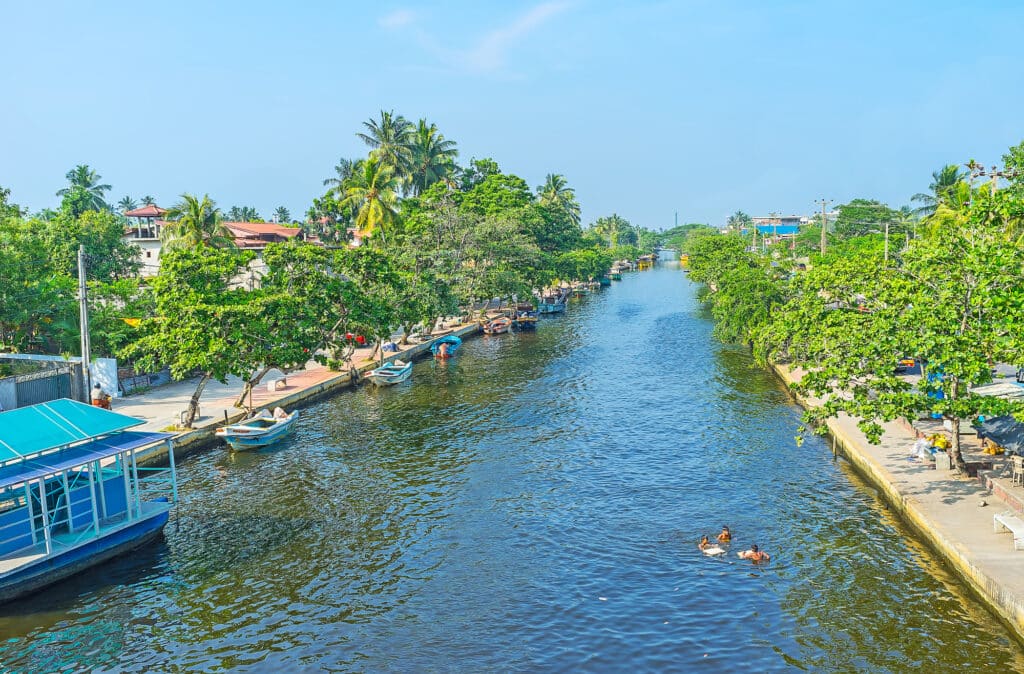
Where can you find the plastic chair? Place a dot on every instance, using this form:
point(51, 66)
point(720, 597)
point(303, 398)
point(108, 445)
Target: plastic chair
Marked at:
point(1017, 477)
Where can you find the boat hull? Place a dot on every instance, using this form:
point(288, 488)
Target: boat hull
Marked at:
point(242, 442)
point(50, 570)
point(389, 376)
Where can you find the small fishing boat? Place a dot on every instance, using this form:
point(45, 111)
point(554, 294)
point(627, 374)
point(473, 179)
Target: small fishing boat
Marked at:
point(498, 326)
point(391, 373)
point(258, 431)
point(526, 319)
point(605, 281)
point(445, 347)
point(553, 301)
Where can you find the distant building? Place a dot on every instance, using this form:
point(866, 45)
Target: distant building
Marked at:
point(145, 226)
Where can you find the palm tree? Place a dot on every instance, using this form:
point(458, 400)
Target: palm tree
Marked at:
point(391, 140)
point(556, 192)
point(738, 221)
point(433, 157)
point(372, 195)
point(943, 182)
point(84, 178)
point(148, 200)
point(193, 222)
point(126, 204)
point(243, 214)
point(282, 214)
point(343, 170)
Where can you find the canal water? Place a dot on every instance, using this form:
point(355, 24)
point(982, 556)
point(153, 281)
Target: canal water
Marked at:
point(532, 505)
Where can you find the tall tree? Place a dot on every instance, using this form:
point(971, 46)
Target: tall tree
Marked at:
point(126, 204)
point(372, 196)
point(148, 200)
point(282, 214)
point(739, 221)
point(343, 170)
point(939, 190)
point(204, 324)
point(83, 179)
point(243, 214)
point(390, 138)
point(432, 157)
point(195, 223)
point(556, 192)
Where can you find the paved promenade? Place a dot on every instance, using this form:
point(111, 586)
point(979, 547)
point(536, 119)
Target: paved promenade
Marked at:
point(163, 407)
point(944, 507)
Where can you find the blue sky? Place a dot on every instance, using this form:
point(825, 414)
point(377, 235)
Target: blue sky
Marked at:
point(647, 108)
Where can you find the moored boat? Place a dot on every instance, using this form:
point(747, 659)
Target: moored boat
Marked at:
point(553, 301)
point(498, 326)
point(72, 494)
point(445, 347)
point(258, 431)
point(605, 281)
point(526, 319)
point(391, 373)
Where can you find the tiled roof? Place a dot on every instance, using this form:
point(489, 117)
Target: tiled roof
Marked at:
point(150, 211)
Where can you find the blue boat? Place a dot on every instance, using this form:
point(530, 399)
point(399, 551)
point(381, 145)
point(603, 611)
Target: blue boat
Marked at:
point(391, 373)
point(258, 431)
point(445, 347)
point(553, 301)
point(72, 494)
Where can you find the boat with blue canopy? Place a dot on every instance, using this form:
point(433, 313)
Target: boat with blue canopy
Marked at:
point(446, 346)
point(72, 494)
point(391, 373)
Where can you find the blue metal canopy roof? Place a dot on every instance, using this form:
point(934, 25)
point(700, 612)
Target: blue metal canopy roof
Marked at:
point(55, 462)
point(38, 428)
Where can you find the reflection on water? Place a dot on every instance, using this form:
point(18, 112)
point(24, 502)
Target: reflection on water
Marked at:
point(532, 504)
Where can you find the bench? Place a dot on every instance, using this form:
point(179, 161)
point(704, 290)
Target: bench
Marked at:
point(1010, 522)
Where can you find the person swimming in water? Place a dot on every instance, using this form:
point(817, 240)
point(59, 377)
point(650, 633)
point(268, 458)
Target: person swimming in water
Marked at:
point(754, 554)
point(725, 536)
point(709, 548)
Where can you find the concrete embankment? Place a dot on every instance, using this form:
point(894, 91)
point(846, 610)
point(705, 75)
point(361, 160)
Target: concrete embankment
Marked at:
point(302, 388)
point(951, 513)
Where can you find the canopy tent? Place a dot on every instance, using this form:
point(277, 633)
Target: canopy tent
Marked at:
point(56, 424)
point(1005, 431)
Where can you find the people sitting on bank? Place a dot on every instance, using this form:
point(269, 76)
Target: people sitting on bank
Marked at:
point(100, 398)
point(725, 536)
point(754, 554)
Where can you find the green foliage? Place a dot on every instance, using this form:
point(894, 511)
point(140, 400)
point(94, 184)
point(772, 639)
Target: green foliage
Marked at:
point(195, 223)
point(864, 216)
point(496, 194)
point(84, 191)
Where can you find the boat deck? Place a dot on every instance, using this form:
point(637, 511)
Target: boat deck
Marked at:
point(67, 540)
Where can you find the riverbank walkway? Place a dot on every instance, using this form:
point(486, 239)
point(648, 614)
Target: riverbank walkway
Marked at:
point(162, 407)
point(953, 513)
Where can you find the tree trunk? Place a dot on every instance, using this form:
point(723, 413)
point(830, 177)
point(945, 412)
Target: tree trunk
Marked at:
point(955, 456)
point(405, 333)
point(249, 384)
point(193, 403)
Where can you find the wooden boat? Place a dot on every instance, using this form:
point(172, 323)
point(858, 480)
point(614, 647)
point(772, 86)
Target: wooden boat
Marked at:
point(258, 431)
point(605, 281)
point(526, 319)
point(391, 373)
point(445, 347)
point(498, 326)
point(553, 301)
point(72, 493)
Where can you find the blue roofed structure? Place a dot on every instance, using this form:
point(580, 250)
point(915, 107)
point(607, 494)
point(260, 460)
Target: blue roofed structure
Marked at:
point(59, 423)
point(72, 492)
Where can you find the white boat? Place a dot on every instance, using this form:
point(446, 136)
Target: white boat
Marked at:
point(394, 372)
point(258, 431)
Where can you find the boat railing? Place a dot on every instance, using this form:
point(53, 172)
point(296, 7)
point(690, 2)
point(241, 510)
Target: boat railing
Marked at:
point(159, 482)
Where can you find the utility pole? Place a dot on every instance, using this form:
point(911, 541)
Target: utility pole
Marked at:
point(677, 218)
point(824, 224)
point(83, 321)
